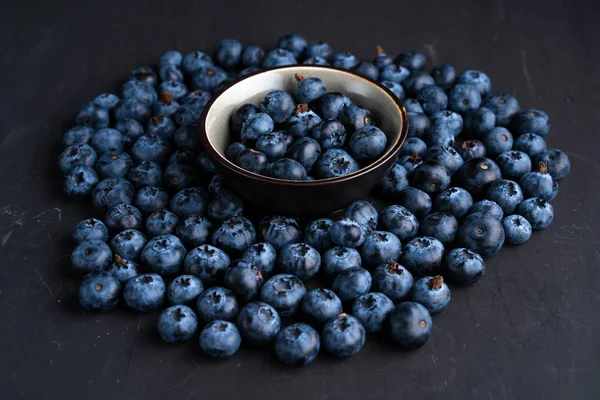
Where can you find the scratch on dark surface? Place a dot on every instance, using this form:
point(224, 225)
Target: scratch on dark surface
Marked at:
point(561, 315)
point(132, 355)
point(51, 241)
point(431, 51)
point(6, 237)
point(182, 382)
point(57, 210)
point(526, 73)
point(43, 282)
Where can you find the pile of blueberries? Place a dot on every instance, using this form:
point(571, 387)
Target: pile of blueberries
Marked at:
point(294, 151)
point(473, 174)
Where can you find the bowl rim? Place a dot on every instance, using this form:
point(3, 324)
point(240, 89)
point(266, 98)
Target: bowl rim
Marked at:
point(308, 183)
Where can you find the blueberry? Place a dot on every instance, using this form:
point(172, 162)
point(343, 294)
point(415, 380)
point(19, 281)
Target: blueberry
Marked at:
point(367, 69)
point(454, 201)
point(278, 58)
point(557, 162)
point(372, 310)
point(347, 232)
point(171, 57)
point(464, 266)
point(345, 61)
point(256, 125)
point(187, 114)
point(399, 221)
point(284, 292)
point(394, 181)
point(161, 126)
point(140, 91)
point(252, 56)
point(229, 53)
point(189, 201)
point(432, 293)
point(394, 73)
point(299, 259)
point(123, 270)
point(316, 234)
point(308, 89)
point(78, 135)
point(273, 146)
point(279, 231)
point(539, 184)
point(337, 259)
point(410, 324)
point(320, 305)
point(482, 233)
point(431, 178)
point(112, 191)
point(293, 43)
point(194, 60)
point(364, 213)
point(225, 205)
point(183, 156)
point(150, 148)
point(150, 199)
point(418, 124)
point(329, 105)
point(123, 216)
point(445, 156)
point(343, 336)
point(176, 89)
point(278, 104)
point(262, 256)
point(93, 115)
point(507, 194)
point(416, 201)
point(194, 230)
point(208, 77)
point(217, 303)
point(287, 169)
point(444, 76)
point(470, 149)
point(220, 339)
point(319, 49)
point(413, 145)
point(380, 247)
point(395, 88)
point(412, 60)
point(179, 176)
point(99, 291)
point(161, 222)
point(351, 283)
point(252, 160)
point(234, 235)
point(441, 226)
point(80, 181)
point(170, 73)
point(433, 99)
point(297, 344)
point(417, 81)
point(259, 323)
point(464, 98)
point(164, 255)
point(75, 155)
point(479, 121)
point(144, 292)
point(354, 118)
point(478, 79)
point(530, 121)
point(315, 60)
point(184, 289)
point(368, 142)
point(113, 164)
point(476, 175)
point(439, 136)
point(144, 75)
point(449, 120)
point(234, 150)
point(106, 100)
point(504, 106)
point(305, 151)
point(413, 106)
point(487, 206)
point(410, 162)
point(90, 229)
point(497, 141)
point(538, 212)
point(393, 280)
point(207, 263)
point(334, 163)
point(530, 144)
point(516, 229)
point(423, 255)
point(128, 244)
point(329, 134)
point(302, 121)
point(107, 139)
point(244, 279)
point(177, 324)
point(197, 98)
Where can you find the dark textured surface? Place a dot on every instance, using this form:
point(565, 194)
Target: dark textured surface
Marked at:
point(528, 330)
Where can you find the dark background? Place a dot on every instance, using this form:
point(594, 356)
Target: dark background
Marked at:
point(528, 330)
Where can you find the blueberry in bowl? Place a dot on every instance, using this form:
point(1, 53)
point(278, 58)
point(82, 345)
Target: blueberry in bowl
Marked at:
point(344, 170)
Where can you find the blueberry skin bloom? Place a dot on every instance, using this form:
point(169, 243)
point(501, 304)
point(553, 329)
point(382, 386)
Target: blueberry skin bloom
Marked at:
point(91, 255)
point(538, 212)
point(476, 175)
point(113, 164)
point(217, 303)
point(539, 184)
point(516, 229)
point(330, 105)
point(416, 201)
point(449, 120)
point(470, 149)
point(530, 121)
point(410, 324)
point(273, 146)
point(78, 154)
point(432, 99)
point(368, 142)
point(334, 163)
point(380, 247)
point(99, 291)
point(302, 121)
point(418, 124)
point(454, 201)
point(224, 205)
point(351, 283)
point(400, 222)
point(394, 181)
point(193, 230)
point(316, 234)
point(161, 222)
point(395, 88)
point(416, 82)
point(294, 43)
point(507, 194)
point(220, 339)
point(229, 53)
point(345, 61)
point(423, 255)
point(93, 115)
point(208, 78)
point(464, 266)
point(288, 169)
point(320, 305)
point(530, 144)
point(347, 232)
point(112, 191)
point(144, 292)
point(241, 115)
point(445, 156)
point(444, 76)
point(412, 60)
point(297, 344)
point(252, 160)
point(78, 135)
point(279, 231)
point(337, 259)
point(234, 235)
point(177, 324)
point(487, 206)
point(259, 323)
point(504, 106)
point(262, 256)
point(284, 292)
point(299, 259)
point(364, 213)
point(372, 310)
point(146, 173)
point(329, 134)
point(413, 145)
point(184, 289)
point(514, 164)
point(497, 141)
point(278, 58)
point(123, 270)
point(150, 148)
point(479, 121)
point(431, 178)
point(478, 79)
point(128, 244)
point(441, 226)
point(122, 217)
point(393, 280)
point(432, 293)
point(194, 60)
point(244, 279)
point(189, 201)
point(278, 104)
point(557, 162)
point(482, 233)
point(164, 255)
point(413, 106)
point(343, 336)
point(353, 118)
point(234, 150)
point(394, 73)
point(409, 162)
point(90, 229)
point(464, 98)
point(308, 89)
point(367, 69)
point(252, 56)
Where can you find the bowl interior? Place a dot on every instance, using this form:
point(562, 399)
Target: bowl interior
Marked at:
point(385, 108)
